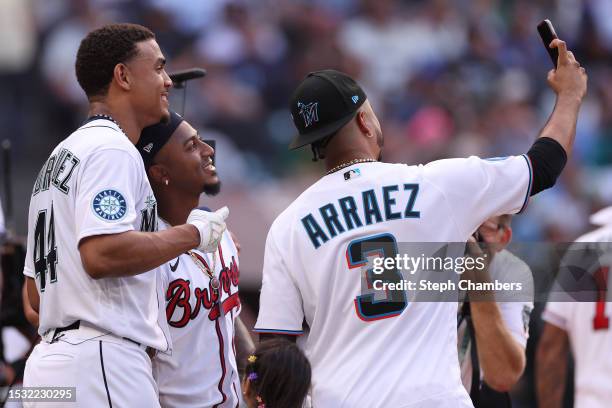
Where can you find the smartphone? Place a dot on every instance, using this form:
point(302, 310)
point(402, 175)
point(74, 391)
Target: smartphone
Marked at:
point(547, 33)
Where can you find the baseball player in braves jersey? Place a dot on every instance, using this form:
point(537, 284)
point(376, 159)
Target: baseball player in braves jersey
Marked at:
point(493, 334)
point(201, 290)
point(386, 351)
point(584, 329)
point(90, 233)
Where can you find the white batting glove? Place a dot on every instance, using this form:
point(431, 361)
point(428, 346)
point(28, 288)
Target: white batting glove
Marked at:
point(211, 226)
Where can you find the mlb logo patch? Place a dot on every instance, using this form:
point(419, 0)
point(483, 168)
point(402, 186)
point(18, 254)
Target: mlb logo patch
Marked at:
point(352, 174)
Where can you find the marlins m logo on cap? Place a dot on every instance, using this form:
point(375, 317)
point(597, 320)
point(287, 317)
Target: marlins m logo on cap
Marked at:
point(310, 112)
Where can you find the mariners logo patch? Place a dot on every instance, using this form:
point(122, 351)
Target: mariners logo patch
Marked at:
point(109, 205)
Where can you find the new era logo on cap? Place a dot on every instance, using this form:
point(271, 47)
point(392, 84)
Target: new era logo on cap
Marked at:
point(355, 98)
point(148, 148)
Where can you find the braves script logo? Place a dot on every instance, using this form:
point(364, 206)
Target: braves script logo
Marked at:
point(310, 112)
point(178, 296)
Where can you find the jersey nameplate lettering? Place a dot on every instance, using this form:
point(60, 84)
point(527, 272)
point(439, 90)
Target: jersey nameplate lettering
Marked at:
point(56, 171)
point(334, 224)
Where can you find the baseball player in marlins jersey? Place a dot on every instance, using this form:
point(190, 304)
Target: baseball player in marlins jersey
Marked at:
point(90, 233)
point(386, 351)
point(201, 290)
point(583, 328)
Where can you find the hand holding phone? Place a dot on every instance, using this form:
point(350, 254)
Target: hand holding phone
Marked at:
point(547, 33)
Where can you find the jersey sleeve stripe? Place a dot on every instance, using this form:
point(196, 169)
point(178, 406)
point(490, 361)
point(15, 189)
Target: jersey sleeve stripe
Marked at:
point(526, 201)
point(275, 331)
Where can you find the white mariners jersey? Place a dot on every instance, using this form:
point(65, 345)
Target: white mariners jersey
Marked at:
point(507, 268)
point(590, 335)
point(93, 183)
point(201, 371)
point(376, 353)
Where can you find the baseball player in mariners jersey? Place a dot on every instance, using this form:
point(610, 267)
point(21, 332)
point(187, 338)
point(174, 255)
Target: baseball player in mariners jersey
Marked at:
point(582, 328)
point(90, 233)
point(368, 352)
point(201, 290)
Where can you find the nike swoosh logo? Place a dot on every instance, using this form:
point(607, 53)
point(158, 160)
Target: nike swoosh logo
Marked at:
point(173, 268)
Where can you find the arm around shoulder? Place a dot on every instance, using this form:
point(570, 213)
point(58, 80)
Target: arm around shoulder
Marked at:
point(132, 252)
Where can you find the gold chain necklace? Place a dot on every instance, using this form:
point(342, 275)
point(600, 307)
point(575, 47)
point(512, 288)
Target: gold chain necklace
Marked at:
point(214, 282)
point(350, 163)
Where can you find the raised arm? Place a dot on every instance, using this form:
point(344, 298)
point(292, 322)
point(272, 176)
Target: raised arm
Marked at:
point(550, 151)
point(569, 81)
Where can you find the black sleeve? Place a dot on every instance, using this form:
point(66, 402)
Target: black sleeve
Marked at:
point(548, 159)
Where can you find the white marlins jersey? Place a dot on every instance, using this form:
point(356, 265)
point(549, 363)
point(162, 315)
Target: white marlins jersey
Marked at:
point(201, 371)
point(367, 353)
point(93, 183)
point(590, 335)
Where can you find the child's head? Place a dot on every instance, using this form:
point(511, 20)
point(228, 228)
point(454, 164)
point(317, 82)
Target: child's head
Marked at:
point(277, 376)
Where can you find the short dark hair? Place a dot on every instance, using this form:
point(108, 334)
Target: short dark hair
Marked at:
point(102, 49)
point(279, 374)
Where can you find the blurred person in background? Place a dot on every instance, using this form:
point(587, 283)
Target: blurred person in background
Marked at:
point(493, 334)
point(581, 329)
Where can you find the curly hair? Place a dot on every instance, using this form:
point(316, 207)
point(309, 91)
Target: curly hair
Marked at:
point(101, 50)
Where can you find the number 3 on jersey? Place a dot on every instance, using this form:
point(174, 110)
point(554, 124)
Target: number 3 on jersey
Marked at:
point(369, 308)
point(45, 261)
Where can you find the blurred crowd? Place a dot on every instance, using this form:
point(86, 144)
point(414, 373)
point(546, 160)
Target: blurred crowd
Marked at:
point(448, 78)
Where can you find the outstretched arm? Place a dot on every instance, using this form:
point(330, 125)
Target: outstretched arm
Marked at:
point(131, 253)
point(134, 252)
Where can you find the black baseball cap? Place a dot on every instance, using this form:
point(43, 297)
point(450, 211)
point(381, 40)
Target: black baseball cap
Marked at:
point(322, 104)
point(154, 137)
